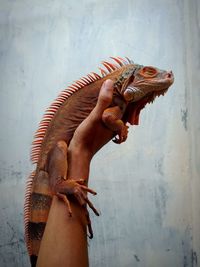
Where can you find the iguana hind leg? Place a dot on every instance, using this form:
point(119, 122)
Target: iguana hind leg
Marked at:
point(63, 187)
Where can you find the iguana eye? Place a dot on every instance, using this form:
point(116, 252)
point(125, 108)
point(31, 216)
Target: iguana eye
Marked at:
point(148, 72)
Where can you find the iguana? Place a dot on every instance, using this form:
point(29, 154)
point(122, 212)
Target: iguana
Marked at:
point(134, 86)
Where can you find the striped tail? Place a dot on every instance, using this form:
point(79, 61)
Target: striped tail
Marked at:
point(38, 200)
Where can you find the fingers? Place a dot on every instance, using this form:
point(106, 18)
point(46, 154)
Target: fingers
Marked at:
point(89, 224)
point(81, 182)
point(106, 93)
point(76, 188)
point(91, 206)
point(80, 197)
point(88, 189)
point(83, 199)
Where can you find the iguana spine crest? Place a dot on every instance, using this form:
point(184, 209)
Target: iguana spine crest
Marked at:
point(47, 118)
point(64, 95)
point(27, 208)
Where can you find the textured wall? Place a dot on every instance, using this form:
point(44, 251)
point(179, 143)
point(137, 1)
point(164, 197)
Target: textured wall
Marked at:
point(149, 187)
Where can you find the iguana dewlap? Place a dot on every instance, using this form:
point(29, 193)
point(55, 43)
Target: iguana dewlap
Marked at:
point(134, 87)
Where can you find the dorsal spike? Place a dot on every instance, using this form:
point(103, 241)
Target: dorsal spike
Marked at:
point(107, 66)
point(129, 60)
point(76, 85)
point(41, 128)
point(38, 135)
point(85, 80)
point(124, 61)
point(103, 72)
point(52, 109)
point(27, 209)
point(64, 95)
point(88, 80)
point(112, 66)
point(48, 116)
point(35, 153)
point(118, 61)
point(44, 123)
point(81, 82)
point(55, 104)
point(36, 148)
point(96, 75)
point(37, 142)
point(91, 77)
point(73, 88)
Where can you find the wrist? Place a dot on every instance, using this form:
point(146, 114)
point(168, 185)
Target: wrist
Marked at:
point(78, 162)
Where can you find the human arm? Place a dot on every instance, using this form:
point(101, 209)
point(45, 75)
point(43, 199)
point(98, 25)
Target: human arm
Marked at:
point(64, 242)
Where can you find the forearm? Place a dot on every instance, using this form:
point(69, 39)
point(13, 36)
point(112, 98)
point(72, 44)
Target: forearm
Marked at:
point(64, 243)
point(79, 163)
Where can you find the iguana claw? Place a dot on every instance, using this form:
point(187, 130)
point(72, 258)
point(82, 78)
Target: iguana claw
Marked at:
point(122, 136)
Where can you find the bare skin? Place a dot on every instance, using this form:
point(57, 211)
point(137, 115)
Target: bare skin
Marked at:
point(64, 242)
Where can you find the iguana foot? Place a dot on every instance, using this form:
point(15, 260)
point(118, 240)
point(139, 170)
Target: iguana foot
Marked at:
point(79, 191)
point(122, 135)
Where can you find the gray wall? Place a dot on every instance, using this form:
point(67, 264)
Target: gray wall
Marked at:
point(148, 188)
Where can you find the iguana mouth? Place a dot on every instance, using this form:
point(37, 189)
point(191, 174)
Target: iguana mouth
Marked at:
point(136, 107)
point(133, 111)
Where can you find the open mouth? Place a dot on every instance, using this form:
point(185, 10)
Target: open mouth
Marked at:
point(133, 112)
point(134, 108)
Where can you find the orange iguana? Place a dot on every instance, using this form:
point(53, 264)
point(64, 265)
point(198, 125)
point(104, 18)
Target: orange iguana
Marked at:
point(134, 87)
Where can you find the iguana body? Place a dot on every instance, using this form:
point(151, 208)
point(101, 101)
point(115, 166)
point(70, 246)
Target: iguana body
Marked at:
point(135, 86)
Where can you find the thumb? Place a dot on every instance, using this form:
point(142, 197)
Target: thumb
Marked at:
point(105, 97)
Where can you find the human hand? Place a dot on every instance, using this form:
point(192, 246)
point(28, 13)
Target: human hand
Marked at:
point(92, 134)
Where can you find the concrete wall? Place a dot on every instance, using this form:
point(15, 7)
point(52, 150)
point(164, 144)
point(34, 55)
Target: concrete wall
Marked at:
point(149, 186)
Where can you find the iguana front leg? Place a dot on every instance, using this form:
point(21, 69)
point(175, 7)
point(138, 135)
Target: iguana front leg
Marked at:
point(63, 187)
point(112, 119)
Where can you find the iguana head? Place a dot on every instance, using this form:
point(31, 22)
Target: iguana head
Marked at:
point(143, 84)
point(147, 81)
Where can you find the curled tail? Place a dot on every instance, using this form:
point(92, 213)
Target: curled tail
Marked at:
point(38, 198)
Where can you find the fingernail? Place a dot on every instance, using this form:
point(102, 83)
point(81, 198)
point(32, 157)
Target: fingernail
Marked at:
point(108, 83)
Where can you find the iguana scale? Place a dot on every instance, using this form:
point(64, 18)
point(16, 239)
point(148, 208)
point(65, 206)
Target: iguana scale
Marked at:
point(134, 87)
